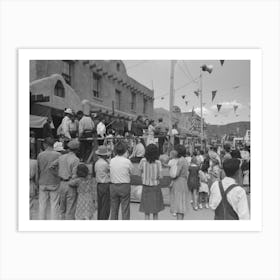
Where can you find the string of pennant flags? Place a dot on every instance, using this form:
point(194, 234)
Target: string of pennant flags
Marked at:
point(198, 92)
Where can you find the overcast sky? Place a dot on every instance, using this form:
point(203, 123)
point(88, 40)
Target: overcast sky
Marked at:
point(232, 82)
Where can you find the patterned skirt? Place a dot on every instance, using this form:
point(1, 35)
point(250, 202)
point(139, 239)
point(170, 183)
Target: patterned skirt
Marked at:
point(151, 200)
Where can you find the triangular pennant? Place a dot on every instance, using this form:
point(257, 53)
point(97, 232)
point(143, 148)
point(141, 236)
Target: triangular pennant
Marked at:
point(196, 92)
point(235, 108)
point(236, 87)
point(219, 107)
point(162, 98)
point(222, 62)
point(186, 102)
point(213, 94)
point(183, 96)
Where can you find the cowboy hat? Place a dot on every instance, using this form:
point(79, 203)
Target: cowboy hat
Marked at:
point(68, 111)
point(103, 151)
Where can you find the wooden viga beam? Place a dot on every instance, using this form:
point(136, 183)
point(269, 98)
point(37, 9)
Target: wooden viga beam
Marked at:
point(86, 62)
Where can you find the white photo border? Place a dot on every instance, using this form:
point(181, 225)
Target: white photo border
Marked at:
point(255, 57)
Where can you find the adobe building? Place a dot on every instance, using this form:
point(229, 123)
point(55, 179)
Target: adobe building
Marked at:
point(103, 84)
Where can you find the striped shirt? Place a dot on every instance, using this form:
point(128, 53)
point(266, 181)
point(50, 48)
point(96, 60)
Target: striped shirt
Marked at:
point(151, 172)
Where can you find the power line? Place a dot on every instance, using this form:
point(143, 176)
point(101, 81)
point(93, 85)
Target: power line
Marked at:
point(188, 70)
point(181, 87)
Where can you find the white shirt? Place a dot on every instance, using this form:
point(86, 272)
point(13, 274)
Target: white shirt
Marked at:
point(85, 123)
point(138, 151)
point(65, 127)
point(236, 197)
point(101, 129)
point(120, 170)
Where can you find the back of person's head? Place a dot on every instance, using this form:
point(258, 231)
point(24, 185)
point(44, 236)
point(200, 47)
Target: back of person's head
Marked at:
point(151, 153)
point(215, 149)
point(188, 154)
point(181, 150)
point(231, 166)
point(49, 141)
point(120, 148)
point(82, 170)
point(227, 147)
point(194, 160)
point(160, 120)
point(79, 113)
point(235, 154)
point(202, 152)
point(173, 154)
point(204, 167)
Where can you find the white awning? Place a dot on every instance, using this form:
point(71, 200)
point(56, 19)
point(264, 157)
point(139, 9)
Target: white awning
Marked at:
point(38, 121)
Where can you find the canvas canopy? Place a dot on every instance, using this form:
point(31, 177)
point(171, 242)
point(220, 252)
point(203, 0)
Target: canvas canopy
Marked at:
point(38, 121)
point(46, 86)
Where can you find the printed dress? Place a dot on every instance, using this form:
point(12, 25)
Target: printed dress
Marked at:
point(86, 196)
point(151, 198)
point(178, 192)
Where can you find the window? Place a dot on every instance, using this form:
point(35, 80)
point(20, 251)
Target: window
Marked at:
point(96, 85)
point(145, 105)
point(59, 89)
point(133, 101)
point(118, 100)
point(66, 71)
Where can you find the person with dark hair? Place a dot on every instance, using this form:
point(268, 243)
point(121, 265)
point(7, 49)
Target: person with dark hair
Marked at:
point(86, 196)
point(47, 130)
point(150, 168)
point(227, 198)
point(193, 181)
point(48, 181)
point(227, 148)
point(161, 132)
point(178, 192)
point(120, 188)
point(235, 154)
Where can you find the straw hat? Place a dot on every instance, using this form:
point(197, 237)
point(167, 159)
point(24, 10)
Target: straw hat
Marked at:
point(58, 147)
point(103, 151)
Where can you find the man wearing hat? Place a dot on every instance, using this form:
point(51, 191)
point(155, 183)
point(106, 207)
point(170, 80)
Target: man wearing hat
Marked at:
point(227, 197)
point(48, 181)
point(102, 175)
point(65, 124)
point(67, 165)
point(86, 130)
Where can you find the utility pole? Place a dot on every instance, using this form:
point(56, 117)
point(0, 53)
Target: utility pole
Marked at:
point(171, 98)
point(201, 112)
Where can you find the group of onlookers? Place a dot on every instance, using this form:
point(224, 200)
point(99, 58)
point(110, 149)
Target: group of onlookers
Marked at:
point(214, 179)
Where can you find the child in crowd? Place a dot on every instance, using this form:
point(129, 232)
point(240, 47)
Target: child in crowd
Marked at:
point(150, 168)
point(86, 200)
point(172, 164)
point(203, 188)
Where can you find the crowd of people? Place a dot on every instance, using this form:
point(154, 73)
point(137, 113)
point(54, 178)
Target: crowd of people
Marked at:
point(218, 179)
